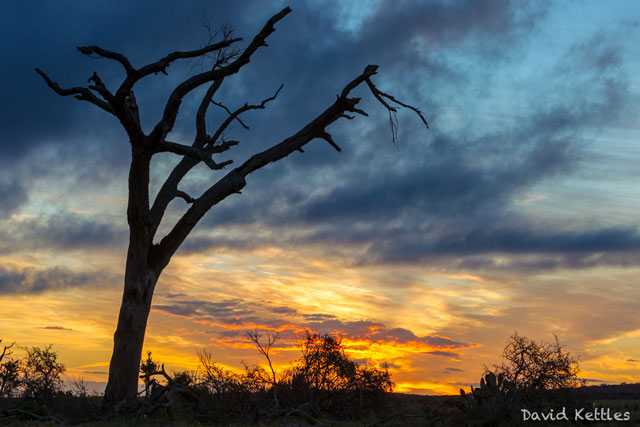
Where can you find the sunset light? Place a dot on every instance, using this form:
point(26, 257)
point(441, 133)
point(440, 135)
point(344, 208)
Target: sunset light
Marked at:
point(423, 251)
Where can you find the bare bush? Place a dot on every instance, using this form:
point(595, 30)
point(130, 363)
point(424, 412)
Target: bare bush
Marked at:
point(538, 366)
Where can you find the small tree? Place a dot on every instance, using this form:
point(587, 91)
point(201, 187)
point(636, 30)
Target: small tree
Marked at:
point(324, 364)
point(533, 375)
point(42, 374)
point(148, 367)
point(258, 374)
point(326, 379)
point(538, 366)
point(9, 373)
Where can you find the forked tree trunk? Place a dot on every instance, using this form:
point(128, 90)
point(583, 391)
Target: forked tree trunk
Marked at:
point(146, 260)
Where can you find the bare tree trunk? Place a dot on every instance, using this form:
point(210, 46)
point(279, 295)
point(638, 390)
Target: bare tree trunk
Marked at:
point(129, 336)
point(139, 282)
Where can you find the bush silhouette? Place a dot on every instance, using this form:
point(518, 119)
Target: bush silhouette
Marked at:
point(533, 375)
point(323, 382)
point(41, 375)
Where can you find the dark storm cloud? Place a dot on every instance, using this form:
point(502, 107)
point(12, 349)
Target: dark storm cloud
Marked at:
point(77, 232)
point(450, 197)
point(454, 200)
point(12, 195)
point(45, 36)
point(227, 309)
point(148, 30)
point(32, 281)
point(511, 241)
point(229, 312)
point(64, 231)
point(444, 24)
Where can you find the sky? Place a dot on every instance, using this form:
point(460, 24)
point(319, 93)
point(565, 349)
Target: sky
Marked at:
point(515, 211)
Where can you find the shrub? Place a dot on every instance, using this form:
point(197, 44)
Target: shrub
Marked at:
point(538, 366)
point(532, 376)
point(41, 374)
point(9, 374)
point(326, 379)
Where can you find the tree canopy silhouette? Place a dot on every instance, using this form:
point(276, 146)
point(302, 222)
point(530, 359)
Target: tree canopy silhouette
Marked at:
point(532, 365)
point(146, 259)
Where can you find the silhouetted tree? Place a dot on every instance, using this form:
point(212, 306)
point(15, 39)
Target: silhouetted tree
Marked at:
point(530, 365)
point(329, 381)
point(42, 374)
point(148, 367)
point(9, 373)
point(326, 366)
point(257, 373)
point(145, 259)
point(534, 375)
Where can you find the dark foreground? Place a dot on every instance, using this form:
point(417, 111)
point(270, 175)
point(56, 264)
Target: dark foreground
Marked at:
point(392, 409)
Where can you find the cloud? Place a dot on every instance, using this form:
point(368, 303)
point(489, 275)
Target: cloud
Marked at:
point(56, 328)
point(14, 281)
point(231, 319)
point(63, 231)
point(510, 240)
point(443, 353)
point(226, 310)
point(451, 197)
point(13, 195)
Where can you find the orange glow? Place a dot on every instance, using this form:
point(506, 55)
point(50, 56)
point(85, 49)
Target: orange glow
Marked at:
point(360, 307)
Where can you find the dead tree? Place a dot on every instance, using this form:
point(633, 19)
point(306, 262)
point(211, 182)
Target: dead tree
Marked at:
point(146, 259)
point(265, 349)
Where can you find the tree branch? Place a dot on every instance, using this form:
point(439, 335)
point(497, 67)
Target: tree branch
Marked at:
point(164, 126)
point(327, 137)
point(4, 351)
point(381, 95)
point(221, 147)
point(221, 105)
point(201, 128)
point(235, 180)
point(169, 189)
point(81, 93)
point(235, 115)
point(187, 198)
point(97, 50)
point(193, 152)
point(161, 65)
point(99, 87)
